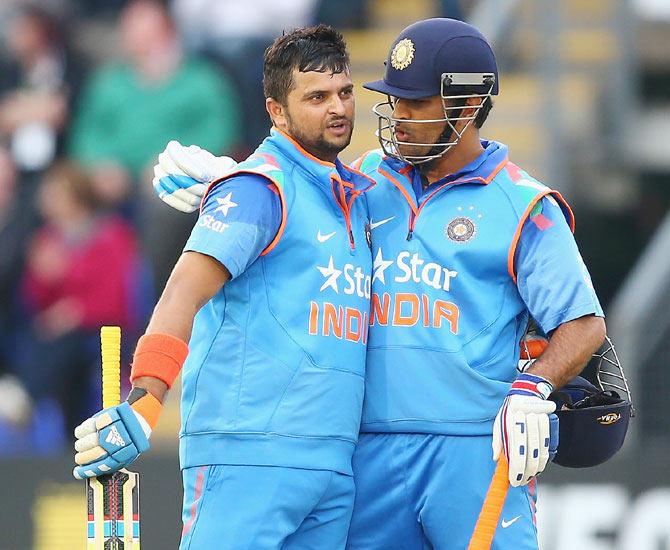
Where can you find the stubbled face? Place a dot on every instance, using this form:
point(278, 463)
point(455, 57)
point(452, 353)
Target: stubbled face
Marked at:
point(319, 112)
point(429, 108)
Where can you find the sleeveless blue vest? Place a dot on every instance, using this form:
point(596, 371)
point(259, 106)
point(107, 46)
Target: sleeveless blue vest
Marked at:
point(446, 315)
point(276, 364)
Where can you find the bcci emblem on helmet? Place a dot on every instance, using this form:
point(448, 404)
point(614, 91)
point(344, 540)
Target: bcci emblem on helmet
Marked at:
point(460, 229)
point(402, 54)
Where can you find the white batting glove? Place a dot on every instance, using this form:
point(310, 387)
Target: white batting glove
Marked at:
point(182, 174)
point(521, 429)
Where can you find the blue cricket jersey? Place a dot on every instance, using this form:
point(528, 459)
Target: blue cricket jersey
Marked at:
point(456, 273)
point(275, 372)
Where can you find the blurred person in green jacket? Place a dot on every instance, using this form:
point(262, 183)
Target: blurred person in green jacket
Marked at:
point(131, 108)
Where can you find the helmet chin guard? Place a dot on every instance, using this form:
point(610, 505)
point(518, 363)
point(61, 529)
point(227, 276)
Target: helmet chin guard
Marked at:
point(453, 105)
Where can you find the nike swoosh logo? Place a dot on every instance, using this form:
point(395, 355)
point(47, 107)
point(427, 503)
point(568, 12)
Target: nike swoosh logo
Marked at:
point(380, 222)
point(506, 524)
point(323, 238)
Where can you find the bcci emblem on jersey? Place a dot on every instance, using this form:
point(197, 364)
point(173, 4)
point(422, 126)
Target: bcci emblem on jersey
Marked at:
point(460, 229)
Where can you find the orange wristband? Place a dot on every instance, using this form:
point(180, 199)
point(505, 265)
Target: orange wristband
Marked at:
point(160, 356)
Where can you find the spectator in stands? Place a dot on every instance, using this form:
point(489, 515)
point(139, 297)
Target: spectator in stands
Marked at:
point(131, 109)
point(36, 89)
point(14, 231)
point(80, 274)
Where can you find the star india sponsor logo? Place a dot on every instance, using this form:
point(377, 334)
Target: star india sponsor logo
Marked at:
point(225, 204)
point(412, 267)
point(355, 281)
point(210, 222)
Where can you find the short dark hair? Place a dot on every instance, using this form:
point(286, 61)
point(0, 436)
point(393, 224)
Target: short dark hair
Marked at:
point(320, 48)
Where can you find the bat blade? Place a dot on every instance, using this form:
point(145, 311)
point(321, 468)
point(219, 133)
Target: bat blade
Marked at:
point(113, 500)
point(113, 512)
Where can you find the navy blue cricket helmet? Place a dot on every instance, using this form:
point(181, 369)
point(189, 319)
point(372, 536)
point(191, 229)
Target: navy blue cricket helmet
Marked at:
point(426, 51)
point(593, 420)
point(435, 57)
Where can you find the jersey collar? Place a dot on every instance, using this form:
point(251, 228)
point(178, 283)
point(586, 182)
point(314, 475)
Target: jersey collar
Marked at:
point(323, 171)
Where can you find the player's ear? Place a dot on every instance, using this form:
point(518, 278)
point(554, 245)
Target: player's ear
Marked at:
point(277, 113)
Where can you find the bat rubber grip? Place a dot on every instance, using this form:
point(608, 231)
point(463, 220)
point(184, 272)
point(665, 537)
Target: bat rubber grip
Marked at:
point(110, 347)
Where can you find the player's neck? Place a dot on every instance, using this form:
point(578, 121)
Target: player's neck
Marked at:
point(468, 149)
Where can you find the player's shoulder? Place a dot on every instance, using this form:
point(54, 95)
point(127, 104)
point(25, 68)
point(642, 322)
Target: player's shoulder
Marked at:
point(519, 188)
point(243, 188)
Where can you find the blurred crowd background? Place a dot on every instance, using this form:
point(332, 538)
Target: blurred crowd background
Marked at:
point(92, 90)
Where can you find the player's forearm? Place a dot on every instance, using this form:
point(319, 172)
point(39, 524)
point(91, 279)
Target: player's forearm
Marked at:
point(570, 348)
point(162, 350)
point(172, 317)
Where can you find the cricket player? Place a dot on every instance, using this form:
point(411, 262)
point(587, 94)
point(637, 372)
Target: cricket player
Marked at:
point(466, 247)
point(272, 296)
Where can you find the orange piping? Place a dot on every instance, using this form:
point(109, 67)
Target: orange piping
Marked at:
point(400, 187)
point(522, 221)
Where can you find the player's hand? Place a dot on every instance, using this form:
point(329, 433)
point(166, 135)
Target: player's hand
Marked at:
point(522, 428)
point(110, 440)
point(183, 173)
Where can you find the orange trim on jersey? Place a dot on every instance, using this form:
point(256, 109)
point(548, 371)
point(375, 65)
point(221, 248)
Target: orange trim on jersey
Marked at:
point(399, 185)
point(517, 233)
point(282, 225)
point(488, 179)
point(302, 151)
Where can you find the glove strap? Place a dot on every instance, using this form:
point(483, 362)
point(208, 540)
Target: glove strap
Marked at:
point(160, 356)
point(146, 404)
point(531, 385)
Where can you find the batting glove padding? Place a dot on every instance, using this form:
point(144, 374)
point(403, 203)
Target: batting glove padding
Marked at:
point(183, 174)
point(109, 441)
point(522, 428)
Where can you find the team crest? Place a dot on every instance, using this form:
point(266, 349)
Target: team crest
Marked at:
point(460, 229)
point(368, 234)
point(402, 54)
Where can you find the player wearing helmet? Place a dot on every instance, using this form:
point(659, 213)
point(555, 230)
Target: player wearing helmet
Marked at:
point(466, 247)
point(474, 246)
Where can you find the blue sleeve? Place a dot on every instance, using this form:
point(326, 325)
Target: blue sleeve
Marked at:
point(551, 275)
point(239, 219)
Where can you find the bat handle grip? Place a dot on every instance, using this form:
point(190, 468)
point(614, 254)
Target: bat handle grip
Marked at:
point(110, 347)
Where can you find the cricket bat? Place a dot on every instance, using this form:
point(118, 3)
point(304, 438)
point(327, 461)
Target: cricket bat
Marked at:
point(489, 515)
point(113, 500)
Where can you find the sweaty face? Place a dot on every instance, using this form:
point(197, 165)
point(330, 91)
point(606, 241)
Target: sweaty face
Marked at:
point(429, 133)
point(319, 112)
